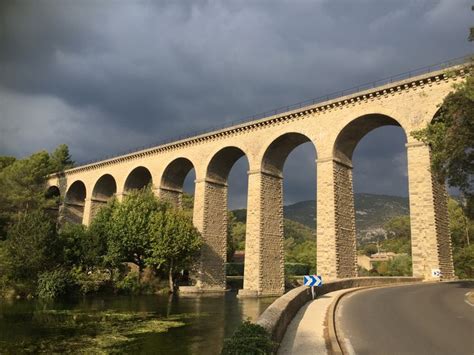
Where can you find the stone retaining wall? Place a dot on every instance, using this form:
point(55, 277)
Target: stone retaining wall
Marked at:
point(280, 313)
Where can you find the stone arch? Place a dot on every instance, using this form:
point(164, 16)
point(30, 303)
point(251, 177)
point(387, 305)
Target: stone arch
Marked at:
point(104, 189)
point(139, 178)
point(172, 180)
point(52, 192)
point(336, 183)
point(353, 132)
point(212, 219)
point(74, 202)
point(276, 153)
point(222, 162)
point(264, 271)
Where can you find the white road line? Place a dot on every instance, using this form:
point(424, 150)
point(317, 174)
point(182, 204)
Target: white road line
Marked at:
point(348, 347)
point(467, 299)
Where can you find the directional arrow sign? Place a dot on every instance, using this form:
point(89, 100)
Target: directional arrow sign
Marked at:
point(313, 280)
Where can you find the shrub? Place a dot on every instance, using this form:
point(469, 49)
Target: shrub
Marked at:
point(296, 269)
point(234, 269)
point(91, 281)
point(464, 262)
point(249, 339)
point(130, 284)
point(31, 246)
point(55, 284)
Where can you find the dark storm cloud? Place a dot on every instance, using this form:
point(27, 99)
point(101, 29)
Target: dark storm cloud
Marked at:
point(137, 72)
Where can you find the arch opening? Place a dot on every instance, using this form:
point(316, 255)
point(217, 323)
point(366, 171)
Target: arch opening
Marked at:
point(221, 164)
point(289, 174)
point(276, 154)
point(177, 184)
point(374, 145)
point(52, 192)
point(226, 186)
point(104, 189)
point(138, 178)
point(355, 131)
point(74, 202)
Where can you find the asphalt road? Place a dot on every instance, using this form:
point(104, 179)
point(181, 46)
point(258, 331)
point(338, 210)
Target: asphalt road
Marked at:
point(414, 319)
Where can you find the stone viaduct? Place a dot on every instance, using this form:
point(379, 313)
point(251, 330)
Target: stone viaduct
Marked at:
point(334, 127)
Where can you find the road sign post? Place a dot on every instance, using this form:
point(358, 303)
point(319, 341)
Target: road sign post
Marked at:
point(312, 281)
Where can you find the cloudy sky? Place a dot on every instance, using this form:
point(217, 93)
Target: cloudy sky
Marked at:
point(108, 76)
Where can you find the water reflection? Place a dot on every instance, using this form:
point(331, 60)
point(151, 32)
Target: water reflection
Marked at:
point(200, 323)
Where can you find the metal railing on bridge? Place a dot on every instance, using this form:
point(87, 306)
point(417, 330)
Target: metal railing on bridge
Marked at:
point(273, 112)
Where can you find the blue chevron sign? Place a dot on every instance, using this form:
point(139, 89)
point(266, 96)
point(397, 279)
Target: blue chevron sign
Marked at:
point(313, 280)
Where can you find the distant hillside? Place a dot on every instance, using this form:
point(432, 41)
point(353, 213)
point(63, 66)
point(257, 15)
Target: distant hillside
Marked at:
point(372, 211)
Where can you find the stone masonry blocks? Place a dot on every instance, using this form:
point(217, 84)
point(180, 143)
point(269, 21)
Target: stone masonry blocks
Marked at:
point(410, 103)
point(345, 221)
point(431, 243)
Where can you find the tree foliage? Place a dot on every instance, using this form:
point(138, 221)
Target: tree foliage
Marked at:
point(6, 161)
point(451, 137)
point(249, 339)
point(174, 243)
point(460, 225)
point(464, 262)
point(61, 159)
point(22, 182)
point(130, 233)
point(31, 245)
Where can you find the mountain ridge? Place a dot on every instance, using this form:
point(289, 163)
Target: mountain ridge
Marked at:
point(372, 211)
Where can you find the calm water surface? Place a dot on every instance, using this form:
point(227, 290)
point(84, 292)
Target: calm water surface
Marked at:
point(120, 324)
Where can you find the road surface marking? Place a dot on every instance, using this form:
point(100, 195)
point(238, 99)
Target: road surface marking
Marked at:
point(467, 299)
point(348, 347)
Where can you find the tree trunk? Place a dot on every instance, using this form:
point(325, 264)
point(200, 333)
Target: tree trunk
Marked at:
point(170, 277)
point(140, 268)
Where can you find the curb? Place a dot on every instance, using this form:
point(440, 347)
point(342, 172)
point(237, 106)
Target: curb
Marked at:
point(334, 345)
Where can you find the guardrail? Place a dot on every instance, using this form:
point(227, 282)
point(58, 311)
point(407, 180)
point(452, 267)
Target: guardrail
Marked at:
point(276, 111)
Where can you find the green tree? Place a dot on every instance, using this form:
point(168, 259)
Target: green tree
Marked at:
point(304, 253)
point(398, 227)
point(61, 159)
point(99, 234)
point(6, 161)
point(22, 183)
point(464, 262)
point(73, 239)
point(370, 249)
point(187, 204)
point(235, 235)
point(31, 245)
point(451, 137)
point(460, 226)
point(130, 233)
point(175, 242)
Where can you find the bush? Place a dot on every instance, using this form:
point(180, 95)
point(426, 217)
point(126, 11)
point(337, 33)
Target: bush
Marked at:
point(31, 247)
point(234, 269)
point(296, 269)
point(130, 284)
point(91, 281)
point(464, 262)
point(249, 339)
point(55, 284)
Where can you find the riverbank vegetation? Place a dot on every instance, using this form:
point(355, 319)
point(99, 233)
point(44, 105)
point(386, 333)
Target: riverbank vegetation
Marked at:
point(137, 245)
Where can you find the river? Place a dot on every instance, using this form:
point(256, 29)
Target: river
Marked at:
point(155, 324)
